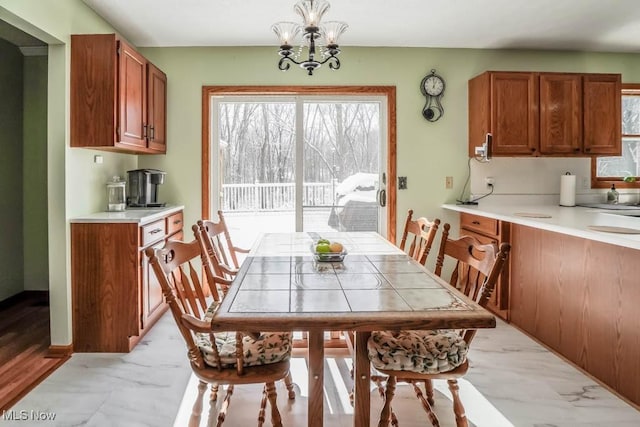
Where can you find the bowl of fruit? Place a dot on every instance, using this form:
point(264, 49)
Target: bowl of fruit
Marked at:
point(325, 250)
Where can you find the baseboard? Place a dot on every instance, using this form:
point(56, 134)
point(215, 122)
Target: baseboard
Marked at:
point(59, 351)
point(24, 295)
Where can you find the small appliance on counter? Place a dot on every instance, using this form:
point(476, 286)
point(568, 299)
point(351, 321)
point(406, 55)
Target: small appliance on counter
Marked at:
point(116, 195)
point(143, 188)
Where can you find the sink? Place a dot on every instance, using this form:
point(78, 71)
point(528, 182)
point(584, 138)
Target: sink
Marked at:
point(618, 207)
point(631, 214)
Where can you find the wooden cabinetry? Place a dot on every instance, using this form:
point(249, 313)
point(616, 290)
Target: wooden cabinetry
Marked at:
point(546, 114)
point(580, 298)
point(116, 296)
point(118, 98)
point(488, 230)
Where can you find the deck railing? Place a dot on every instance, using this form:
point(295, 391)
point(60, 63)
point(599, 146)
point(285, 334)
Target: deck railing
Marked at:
point(275, 197)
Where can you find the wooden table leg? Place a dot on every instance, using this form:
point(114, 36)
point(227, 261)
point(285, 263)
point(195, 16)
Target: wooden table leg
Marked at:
point(316, 379)
point(361, 380)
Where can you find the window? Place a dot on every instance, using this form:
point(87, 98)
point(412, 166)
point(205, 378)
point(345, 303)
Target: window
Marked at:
point(622, 170)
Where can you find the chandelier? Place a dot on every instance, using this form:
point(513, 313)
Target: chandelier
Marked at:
point(320, 41)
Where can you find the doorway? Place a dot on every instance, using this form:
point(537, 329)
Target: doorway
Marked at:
point(24, 286)
point(300, 159)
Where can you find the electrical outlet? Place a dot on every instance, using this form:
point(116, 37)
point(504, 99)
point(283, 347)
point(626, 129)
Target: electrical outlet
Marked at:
point(490, 181)
point(585, 183)
point(448, 182)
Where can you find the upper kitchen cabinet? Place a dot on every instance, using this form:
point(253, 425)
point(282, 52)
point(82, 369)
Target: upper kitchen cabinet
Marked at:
point(504, 104)
point(118, 98)
point(602, 114)
point(546, 114)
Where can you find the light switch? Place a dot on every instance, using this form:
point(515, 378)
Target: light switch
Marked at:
point(402, 183)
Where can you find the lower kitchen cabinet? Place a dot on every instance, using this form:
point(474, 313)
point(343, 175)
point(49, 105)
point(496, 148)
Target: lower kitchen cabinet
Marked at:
point(580, 298)
point(489, 230)
point(116, 296)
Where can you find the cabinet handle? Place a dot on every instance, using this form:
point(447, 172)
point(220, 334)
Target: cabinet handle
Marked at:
point(587, 149)
point(144, 131)
point(475, 222)
point(177, 221)
point(152, 133)
point(154, 231)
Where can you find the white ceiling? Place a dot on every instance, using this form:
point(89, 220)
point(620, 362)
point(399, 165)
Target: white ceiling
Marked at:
point(584, 25)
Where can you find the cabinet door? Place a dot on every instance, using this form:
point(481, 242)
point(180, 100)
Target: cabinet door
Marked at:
point(152, 298)
point(132, 97)
point(157, 109)
point(560, 113)
point(602, 109)
point(514, 113)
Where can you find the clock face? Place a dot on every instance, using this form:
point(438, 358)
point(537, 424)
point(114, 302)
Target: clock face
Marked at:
point(433, 85)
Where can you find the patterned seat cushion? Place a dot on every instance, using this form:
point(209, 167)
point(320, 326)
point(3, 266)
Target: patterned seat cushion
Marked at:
point(425, 352)
point(270, 347)
point(258, 349)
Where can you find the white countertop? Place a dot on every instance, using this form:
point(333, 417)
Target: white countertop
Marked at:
point(135, 215)
point(573, 221)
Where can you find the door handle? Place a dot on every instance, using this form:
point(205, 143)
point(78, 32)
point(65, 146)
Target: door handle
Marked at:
point(382, 198)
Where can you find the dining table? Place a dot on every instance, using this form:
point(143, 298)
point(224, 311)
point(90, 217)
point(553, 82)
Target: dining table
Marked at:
point(283, 286)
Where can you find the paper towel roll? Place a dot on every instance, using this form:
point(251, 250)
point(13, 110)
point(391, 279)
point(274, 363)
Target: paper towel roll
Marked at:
point(567, 190)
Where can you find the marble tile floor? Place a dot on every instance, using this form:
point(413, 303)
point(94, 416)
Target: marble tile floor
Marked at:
point(513, 381)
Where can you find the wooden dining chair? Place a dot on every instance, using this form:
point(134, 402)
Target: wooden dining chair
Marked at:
point(420, 233)
point(219, 245)
point(422, 356)
point(218, 358)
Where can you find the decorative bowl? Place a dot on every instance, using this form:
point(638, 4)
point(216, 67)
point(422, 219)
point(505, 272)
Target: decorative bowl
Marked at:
point(328, 256)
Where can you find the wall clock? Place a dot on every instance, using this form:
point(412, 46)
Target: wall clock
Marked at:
point(432, 87)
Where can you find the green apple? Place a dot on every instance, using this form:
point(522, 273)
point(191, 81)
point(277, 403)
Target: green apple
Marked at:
point(322, 248)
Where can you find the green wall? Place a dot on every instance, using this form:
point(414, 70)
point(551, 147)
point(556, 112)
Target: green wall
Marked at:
point(34, 157)
point(11, 259)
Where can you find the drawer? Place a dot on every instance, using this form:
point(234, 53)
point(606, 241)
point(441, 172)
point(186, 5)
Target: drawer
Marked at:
point(481, 238)
point(153, 232)
point(481, 224)
point(174, 223)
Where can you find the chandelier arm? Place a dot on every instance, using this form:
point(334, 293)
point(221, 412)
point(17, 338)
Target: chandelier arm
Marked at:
point(283, 65)
point(335, 64)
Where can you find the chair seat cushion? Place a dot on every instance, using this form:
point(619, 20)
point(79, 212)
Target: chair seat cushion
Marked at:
point(425, 352)
point(259, 349)
point(270, 347)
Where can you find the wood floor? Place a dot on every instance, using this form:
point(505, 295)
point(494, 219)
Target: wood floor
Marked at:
point(24, 345)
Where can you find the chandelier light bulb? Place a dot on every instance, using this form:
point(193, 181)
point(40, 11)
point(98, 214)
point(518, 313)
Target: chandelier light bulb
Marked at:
point(332, 30)
point(311, 11)
point(286, 32)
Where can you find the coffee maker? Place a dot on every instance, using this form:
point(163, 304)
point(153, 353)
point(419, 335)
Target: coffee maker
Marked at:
point(143, 188)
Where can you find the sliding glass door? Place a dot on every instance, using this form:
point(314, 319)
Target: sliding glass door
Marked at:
point(310, 163)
